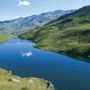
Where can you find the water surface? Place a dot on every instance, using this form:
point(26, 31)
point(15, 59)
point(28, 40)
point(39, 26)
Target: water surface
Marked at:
point(66, 73)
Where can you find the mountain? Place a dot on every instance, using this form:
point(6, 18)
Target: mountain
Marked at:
point(69, 34)
point(23, 24)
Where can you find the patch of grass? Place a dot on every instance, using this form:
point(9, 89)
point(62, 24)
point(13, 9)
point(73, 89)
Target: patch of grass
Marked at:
point(11, 82)
point(4, 38)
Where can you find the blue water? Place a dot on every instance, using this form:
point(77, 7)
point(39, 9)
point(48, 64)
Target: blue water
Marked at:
point(64, 72)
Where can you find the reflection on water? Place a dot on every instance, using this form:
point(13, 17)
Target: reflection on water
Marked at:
point(27, 54)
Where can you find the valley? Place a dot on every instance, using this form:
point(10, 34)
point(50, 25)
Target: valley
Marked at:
point(47, 51)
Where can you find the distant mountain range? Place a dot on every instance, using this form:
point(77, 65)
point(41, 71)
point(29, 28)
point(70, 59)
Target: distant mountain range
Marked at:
point(69, 34)
point(21, 25)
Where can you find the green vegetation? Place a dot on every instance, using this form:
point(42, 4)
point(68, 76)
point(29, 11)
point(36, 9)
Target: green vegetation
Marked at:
point(11, 82)
point(4, 38)
point(69, 34)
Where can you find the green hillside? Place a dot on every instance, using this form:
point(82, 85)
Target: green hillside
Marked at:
point(69, 34)
point(4, 38)
point(11, 82)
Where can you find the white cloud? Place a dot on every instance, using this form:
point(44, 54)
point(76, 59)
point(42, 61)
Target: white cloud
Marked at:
point(16, 17)
point(23, 16)
point(31, 14)
point(24, 3)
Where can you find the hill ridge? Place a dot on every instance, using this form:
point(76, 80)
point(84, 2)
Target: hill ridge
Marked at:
point(69, 36)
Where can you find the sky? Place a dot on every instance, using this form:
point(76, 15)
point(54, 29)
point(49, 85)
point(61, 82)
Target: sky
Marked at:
point(11, 9)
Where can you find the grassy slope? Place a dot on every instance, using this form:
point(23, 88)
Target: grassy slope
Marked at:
point(4, 38)
point(18, 83)
point(69, 34)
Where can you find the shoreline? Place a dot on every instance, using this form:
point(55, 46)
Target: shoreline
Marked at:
point(80, 58)
point(8, 81)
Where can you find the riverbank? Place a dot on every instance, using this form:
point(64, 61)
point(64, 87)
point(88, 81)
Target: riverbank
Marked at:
point(11, 82)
